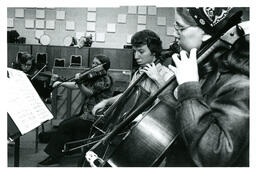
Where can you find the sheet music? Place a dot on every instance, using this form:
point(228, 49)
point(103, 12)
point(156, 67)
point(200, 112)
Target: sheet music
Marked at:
point(24, 104)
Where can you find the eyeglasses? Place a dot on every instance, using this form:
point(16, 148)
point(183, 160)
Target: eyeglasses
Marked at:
point(179, 27)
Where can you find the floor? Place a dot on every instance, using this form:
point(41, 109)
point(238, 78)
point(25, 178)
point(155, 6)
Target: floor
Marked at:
point(29, 157)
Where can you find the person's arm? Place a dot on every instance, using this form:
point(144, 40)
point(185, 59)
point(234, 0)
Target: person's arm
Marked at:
point(215, 133)
point(86, 91)
point(111, 100)
point(70, 85)
point(105, 102)
point(214, 125)
point(97, 87)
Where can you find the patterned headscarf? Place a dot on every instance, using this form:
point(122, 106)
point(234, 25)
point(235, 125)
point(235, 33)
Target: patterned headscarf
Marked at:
point(209, 19)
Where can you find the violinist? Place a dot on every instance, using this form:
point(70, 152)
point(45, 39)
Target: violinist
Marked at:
point(26, 63)
point(213, 109)
point(147, 49)
point(78, 127)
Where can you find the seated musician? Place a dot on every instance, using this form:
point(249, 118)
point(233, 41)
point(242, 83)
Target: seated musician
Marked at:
point(213, 110)
point(78, 127)
point(26, 63)
point(147, 48)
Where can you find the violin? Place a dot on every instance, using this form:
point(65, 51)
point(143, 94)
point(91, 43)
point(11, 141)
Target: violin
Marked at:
point(91, 74)
point(148, 140)
point(85, 76)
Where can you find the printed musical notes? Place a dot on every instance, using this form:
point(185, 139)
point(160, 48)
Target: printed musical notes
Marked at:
point(23, 103)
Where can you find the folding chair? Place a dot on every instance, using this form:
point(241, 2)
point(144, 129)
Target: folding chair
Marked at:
point(59, 62)
point(41, 60)
point(75, 60)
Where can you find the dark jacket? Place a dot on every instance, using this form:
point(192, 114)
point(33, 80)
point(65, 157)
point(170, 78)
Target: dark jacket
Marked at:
point(212, 115)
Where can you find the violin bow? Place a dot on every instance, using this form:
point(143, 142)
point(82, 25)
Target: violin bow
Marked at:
point(38, 72)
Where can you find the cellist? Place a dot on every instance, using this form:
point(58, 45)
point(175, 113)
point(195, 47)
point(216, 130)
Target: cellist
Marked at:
point(213, 110)
point(147, 47)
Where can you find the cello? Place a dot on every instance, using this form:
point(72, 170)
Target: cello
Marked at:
point(131, 98)
point(149, 139)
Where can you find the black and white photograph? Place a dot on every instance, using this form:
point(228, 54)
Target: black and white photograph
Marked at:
point(149, 87)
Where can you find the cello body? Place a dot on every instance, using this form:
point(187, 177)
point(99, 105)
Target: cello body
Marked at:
point(143, 142)
point(147, 140)
point(129, 102)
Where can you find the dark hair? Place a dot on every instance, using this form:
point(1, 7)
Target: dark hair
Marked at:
point(104, 59)
point(237, 60)
point(149, 38)
point(234, 60)
point(23, 57)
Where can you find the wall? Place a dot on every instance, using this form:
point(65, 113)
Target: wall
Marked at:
point(119, 58)
point(103, 17)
